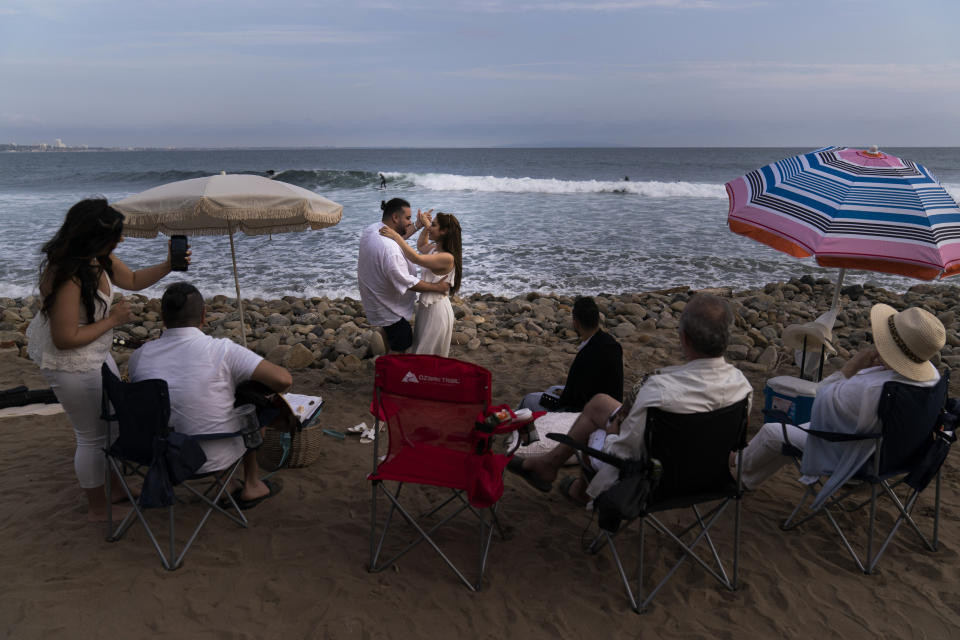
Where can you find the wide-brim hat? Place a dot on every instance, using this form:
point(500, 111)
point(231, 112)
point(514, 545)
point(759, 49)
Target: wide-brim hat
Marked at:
point(906, 340)
point(815, 332)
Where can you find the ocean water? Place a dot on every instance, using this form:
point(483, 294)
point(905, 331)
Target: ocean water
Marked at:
point(548, 220)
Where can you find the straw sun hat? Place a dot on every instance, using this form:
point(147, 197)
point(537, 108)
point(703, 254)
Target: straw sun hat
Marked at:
point(815, 332)
point(906, 340)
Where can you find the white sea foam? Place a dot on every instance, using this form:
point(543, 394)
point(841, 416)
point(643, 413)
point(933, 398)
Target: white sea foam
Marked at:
point(953, 190)
point(650, 189)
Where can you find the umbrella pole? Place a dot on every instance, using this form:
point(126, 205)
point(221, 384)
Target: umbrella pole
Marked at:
point(836, 291)
point(236, 281)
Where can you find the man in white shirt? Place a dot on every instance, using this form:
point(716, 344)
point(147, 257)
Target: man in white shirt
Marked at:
point(202, 374)
point(705, 382)
point(387, 279)
point(848, 400)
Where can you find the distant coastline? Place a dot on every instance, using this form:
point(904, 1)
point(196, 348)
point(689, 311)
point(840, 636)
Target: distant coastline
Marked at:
point(45, 148)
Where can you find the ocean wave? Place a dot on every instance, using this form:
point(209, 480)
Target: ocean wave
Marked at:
point(329, 179)
point(650, 189)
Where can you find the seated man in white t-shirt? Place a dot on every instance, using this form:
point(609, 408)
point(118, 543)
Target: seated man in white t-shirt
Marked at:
point(202, 374)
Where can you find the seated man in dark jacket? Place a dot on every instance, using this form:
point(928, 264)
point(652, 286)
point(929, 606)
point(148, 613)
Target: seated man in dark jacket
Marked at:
point(598, 367)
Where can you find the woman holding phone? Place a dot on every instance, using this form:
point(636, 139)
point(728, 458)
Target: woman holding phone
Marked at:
point(441, 256)
point(71, 336)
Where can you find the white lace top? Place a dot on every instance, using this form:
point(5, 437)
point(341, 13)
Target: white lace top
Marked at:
point(427, 298)
point(90, 356)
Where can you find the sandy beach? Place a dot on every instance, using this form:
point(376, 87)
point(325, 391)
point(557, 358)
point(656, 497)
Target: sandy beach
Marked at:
point(299, 571)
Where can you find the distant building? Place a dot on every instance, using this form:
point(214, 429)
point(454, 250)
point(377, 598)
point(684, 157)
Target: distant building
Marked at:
point(58, 143)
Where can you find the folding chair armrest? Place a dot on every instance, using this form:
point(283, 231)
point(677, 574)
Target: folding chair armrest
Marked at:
point(775, 415)
point(833, 436)
point(216, 436)
point(602, 456)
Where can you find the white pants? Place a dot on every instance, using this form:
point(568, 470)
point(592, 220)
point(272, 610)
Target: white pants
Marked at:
point(79, 393)
point(763, 455)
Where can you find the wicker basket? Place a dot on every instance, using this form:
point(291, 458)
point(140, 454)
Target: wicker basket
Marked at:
point(304, 447)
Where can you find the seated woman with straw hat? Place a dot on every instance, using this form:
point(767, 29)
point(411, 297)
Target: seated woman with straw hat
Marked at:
point(904, 343)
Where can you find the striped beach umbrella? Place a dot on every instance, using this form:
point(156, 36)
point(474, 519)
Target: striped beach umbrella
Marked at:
point(853, 209)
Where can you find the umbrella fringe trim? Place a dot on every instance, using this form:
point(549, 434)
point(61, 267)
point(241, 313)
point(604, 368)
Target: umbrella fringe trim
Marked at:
point(154, 230)
point(212, 209)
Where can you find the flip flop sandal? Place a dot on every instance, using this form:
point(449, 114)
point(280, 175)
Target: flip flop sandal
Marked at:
point(272, 485)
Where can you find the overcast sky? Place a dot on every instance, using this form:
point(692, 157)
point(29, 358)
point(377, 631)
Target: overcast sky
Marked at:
point(480, 73)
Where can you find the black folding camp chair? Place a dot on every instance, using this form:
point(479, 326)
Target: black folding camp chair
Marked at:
point(147, 447)
point(911, 448)
point(692, 453)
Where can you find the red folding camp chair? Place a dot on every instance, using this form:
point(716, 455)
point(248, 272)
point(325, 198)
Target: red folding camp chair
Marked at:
point(437, 411)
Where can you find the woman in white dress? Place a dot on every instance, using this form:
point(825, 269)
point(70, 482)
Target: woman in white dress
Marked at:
point(440, 253)
point(71, 336)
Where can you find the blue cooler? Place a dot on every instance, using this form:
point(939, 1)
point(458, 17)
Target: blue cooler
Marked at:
point(793, 396)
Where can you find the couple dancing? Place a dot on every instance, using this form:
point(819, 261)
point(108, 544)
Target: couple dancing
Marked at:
point(386, 272)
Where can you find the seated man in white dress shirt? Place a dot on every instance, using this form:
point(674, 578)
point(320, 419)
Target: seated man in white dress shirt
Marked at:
point(847, 401)
point(387, 280)
point(202, 374)
point(705, 382)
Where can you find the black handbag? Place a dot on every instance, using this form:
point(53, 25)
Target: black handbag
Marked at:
point(628, 498)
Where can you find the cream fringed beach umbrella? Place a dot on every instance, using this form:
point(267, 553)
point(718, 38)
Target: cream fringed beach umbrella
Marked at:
point(223, 204)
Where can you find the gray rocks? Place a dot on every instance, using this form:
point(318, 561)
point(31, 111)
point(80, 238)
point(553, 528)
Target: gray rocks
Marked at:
point(298, 357)
point(334, 335)
point(278, 320)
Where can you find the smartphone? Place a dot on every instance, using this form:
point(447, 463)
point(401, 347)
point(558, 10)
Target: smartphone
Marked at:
point(178, 253)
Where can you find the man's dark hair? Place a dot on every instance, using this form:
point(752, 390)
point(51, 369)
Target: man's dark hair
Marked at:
point(391, 206)
point(181, 306)
point(705, 322)
point(586, 312)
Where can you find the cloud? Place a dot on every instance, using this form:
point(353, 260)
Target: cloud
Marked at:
point(805, 76)
point(281, 35)
point(512, 72)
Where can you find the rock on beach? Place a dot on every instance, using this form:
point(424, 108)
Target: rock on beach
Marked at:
point(334, 336)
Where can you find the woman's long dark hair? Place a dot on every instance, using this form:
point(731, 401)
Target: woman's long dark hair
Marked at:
point(451, 243)
point(90, 230)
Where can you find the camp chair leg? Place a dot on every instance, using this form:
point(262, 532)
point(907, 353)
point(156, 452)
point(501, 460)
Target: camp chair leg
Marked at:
point(936, 513)
point(375, 552)
point(486, 534)
point(622, 571)
point(689, 550)
point(476, 512)
point(736, 545)
point(454, 495)
point(222, 482)
point(598, 543)
point(170, 560)
point(713, 549)
point(871, 525)
point(787, 526)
